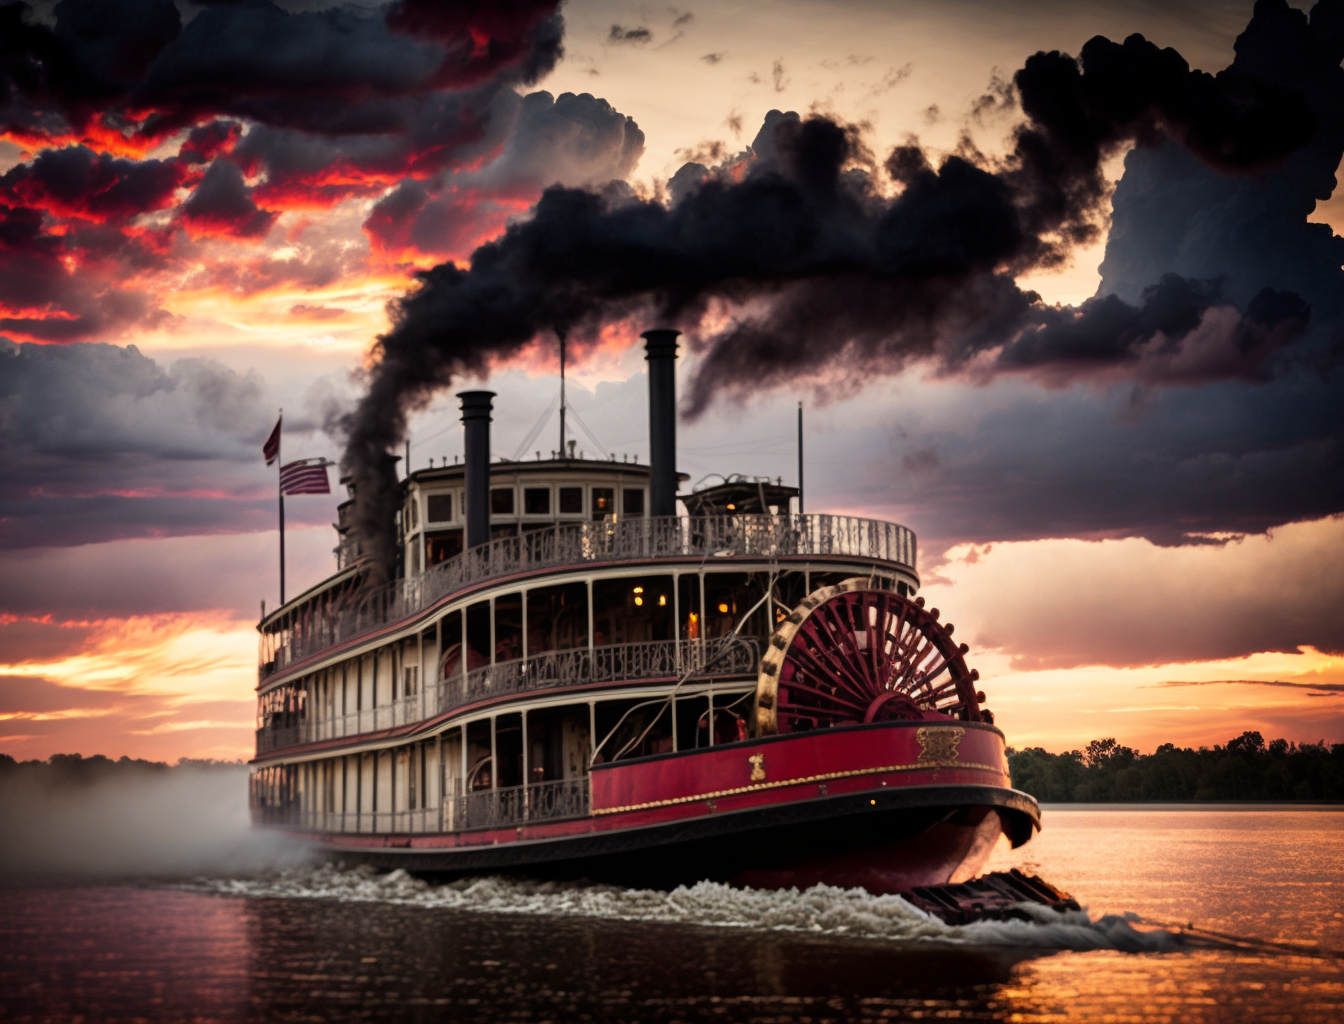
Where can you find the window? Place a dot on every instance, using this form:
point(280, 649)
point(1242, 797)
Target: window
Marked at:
point(632, 501)
point(537, 501)
point(439, 508)
point(557, 618)
point(571, 499)
point(501, 501)
point(604, 502)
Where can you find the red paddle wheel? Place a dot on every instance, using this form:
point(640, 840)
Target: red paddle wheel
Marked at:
point(853, 653)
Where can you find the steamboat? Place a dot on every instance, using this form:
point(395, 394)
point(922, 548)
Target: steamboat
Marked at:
point(577, 671)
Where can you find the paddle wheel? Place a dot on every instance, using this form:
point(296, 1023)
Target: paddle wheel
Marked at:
point(853, 654)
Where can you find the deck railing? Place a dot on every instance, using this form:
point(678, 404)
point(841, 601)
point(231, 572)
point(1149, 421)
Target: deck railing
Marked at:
point(705, 537)
point(613, 663)
point(488, 808)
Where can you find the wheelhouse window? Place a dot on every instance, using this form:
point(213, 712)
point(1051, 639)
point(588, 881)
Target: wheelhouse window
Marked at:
point(537, 501)
point(439, 508)
point(604, 502)
point(441, 546)
point(632, 501)
point(571, 500)
point(501, 501)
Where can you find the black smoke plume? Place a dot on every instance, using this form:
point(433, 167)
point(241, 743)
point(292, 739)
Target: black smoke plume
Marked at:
point(828, 266)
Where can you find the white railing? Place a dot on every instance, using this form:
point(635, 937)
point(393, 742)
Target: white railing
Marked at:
point(583, 543)
point(488, 808)
point(614, 663)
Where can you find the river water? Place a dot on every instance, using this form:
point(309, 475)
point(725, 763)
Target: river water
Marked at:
point(312, 943)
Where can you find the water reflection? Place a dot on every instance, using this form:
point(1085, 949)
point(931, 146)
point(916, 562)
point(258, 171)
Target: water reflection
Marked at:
point(134, 954)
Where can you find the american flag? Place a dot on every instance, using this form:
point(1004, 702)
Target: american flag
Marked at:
point(271, 449)
point(307, 476)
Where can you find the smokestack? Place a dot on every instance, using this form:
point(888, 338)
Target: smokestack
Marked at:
point(661, 346)
point(476, 406)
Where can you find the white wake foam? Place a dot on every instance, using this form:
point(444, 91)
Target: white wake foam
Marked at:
point(821, 909)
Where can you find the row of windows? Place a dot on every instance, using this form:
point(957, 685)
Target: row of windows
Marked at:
point(537, 501)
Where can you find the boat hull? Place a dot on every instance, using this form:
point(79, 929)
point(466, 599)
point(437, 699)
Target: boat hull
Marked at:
point(886, 807)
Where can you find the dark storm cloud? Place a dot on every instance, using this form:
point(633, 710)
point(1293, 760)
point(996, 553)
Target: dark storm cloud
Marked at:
point(1167, 464)
point(324, 71)
point(222, 205)
point(207, 141)
point(829, 275)
point(1154, 340)
point(77, 181)
point(37, 278)
point(310, 108)
point(100, 442)
point(543, 140)
point(1233, 455)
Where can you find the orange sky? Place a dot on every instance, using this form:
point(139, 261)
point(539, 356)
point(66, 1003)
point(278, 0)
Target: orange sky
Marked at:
point(261, 281)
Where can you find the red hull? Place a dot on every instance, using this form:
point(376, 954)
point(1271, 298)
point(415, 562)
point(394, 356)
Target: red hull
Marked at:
point(885, 806)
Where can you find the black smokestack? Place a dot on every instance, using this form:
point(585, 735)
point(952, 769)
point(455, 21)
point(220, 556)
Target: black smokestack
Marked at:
point(831, 264)
point(476, 406)
point(661, 348)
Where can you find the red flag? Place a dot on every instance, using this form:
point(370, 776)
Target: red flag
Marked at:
point(271, 449)
point(307, 476)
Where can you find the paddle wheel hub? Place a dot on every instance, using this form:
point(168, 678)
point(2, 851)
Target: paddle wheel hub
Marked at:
point(854, 653)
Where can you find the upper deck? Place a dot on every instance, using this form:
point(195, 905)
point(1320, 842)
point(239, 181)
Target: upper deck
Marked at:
point(304, 630)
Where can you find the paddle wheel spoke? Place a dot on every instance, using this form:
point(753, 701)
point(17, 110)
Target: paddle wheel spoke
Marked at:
point(853, 653)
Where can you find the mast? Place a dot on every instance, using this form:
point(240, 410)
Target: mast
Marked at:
point(561, 335)
point(280, 491)
point(800, 458)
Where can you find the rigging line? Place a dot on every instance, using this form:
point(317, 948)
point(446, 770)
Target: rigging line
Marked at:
point(584, 427)
point(416, 442)
point(536, 429)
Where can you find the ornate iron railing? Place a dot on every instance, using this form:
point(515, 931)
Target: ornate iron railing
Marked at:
point(614, 663)
point(489, 808)
point(595, 542)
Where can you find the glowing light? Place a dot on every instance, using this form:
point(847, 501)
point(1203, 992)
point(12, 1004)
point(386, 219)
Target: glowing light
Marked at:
point(662, 600)
point(639, 590)
point(732, 507)
point(723, 608)
point(639, 600)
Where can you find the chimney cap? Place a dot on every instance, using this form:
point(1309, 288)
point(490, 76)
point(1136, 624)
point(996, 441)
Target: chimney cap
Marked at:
point(476, 403)
point(660, 342)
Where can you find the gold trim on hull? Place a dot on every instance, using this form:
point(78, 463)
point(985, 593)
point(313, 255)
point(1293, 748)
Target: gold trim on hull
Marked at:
point(780, 783)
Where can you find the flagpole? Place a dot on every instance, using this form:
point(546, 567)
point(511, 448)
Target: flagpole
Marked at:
point(280, 491)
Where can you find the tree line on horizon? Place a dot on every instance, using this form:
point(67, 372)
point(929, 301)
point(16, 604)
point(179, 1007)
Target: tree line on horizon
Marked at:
point(76, 768)
point(1244, 769)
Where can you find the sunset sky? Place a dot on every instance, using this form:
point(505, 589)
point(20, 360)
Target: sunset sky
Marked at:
point(205, 209)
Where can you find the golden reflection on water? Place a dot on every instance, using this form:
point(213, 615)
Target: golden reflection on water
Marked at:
point(1273, 874)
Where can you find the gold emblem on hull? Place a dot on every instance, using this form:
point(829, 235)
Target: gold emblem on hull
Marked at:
point(757, 767)
point(938, 745)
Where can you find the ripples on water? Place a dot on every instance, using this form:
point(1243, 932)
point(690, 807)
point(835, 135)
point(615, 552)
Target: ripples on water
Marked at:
point(323, 944)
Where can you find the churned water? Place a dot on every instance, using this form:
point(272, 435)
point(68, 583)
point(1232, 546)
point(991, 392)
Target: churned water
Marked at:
point(1264, 889)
